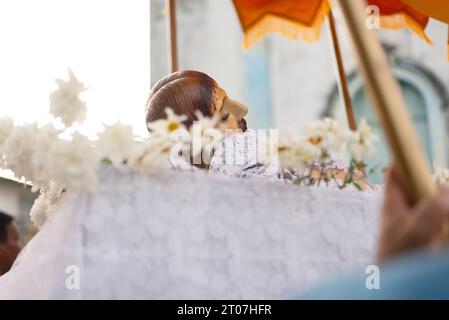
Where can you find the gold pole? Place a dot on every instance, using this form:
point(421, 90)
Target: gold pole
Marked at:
point(173, 49)
point(386, 96)
point(342, 81)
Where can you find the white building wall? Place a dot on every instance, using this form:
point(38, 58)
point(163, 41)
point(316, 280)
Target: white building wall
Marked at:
point(301, 76)
point(209, 40)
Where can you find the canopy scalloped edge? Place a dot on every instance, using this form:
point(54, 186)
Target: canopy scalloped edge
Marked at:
point(401, 21)
point(291, 29)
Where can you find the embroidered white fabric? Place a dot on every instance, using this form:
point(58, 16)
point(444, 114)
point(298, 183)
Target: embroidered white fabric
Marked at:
point(193, 235)
point(243, 155)
point(238, 156)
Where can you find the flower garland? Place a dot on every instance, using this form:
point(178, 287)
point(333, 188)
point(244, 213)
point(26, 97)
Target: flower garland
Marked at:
point(54, 159)
point(312, 158)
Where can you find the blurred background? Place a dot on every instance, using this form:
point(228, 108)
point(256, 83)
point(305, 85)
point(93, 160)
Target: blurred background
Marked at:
point(107, 45)
point(119, 49)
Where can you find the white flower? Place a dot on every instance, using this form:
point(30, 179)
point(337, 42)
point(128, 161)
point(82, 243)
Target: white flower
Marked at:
point(65, 102)
point(335, 133)
point(6, 126)
point(441, 176)
point(326, 135)
point(45, 138)
point(152, 155)
point(165, 127)
point(44, 203)
point(116, 142)
point(307, 152)
point(288, 158)
point(360, 142)
point(40, 210)
point(18, 150)
point(324, 138)
point(297, 154)
point(54, 192)
point(73, 163)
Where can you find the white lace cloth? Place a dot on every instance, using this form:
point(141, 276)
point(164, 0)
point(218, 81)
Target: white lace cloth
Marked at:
point(194, 235)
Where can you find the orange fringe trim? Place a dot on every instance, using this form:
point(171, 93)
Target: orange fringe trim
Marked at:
point(403, 20)
point(287, 28)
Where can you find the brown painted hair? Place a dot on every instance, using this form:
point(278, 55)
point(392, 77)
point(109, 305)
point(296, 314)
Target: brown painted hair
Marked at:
point(184, 92)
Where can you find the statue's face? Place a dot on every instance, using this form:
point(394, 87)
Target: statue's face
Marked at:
point(231, 112)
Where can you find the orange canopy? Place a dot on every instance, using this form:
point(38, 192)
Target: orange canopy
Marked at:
point(396, 14)
point(437, 9)
point(414, 14)
point(298, 19)
point(303, 19)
